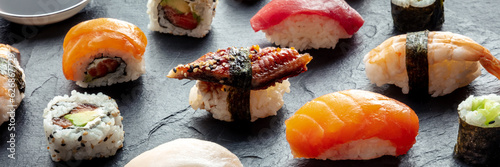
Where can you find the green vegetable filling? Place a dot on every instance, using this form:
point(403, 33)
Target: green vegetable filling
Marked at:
point(488, 108)
point(82, 118)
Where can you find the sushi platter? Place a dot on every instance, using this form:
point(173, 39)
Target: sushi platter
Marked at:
point(119, 78)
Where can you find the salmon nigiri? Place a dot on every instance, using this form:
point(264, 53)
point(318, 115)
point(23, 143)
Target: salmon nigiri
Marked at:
point(306, 24)
point(351, 124)
point(103, 51)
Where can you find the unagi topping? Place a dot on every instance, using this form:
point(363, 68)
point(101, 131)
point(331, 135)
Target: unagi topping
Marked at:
point(269, 65)
point(101, 67)
point(178, 13)
point(78, 116)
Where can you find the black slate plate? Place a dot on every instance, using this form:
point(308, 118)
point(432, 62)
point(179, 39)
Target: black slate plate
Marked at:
point(156, 110)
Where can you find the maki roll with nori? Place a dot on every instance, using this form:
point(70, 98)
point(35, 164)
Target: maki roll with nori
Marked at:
point(242, 83)
point(478, 141)
point(82, 126)
point(417, 15)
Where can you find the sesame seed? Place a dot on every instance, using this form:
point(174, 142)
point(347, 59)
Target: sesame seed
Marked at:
point(195, 70)
point(63, 144)
point(57, 151)
point(221, 81)
point(85, 133)
point(185, 74)
point(53, 155)
point(106, 138)
point(51, 136)
point(83, 145)
point(207, 68)
point(175, 70)
point(80, 138)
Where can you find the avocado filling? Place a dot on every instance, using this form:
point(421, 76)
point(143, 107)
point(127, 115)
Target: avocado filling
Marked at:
point(101, 67)
point(488, 108)
point(178, 13)
point(78, 116)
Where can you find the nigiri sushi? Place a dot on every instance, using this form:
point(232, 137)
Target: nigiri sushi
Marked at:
point(102, 52)
point(242, 83)
point(186, 152)
point(306, 24)
point(433, 62)
point(12, 82)
point(351, 124)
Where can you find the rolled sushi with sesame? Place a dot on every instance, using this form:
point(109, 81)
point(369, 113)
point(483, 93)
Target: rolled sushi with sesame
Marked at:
point(181, 17)
point(82, 126)
point(242, 84)
point(478, 141)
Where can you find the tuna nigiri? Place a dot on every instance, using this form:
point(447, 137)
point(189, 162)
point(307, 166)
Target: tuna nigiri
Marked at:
point(433, 62)
point(351, 124)
point(306, 24)
point(242, 83)
point(103, 51)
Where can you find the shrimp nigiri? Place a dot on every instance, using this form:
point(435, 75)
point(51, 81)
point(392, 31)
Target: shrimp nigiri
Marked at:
point(352, 124)
point(452, 62)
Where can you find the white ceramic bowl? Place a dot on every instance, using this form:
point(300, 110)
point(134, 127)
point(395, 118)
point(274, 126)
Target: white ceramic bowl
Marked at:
point(47, 17)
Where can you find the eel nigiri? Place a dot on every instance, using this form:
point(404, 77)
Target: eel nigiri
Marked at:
point(433, 62)
point(251, 80)
point(306, 24)
point(12, 82)
point(103, 51)
point(351, 124)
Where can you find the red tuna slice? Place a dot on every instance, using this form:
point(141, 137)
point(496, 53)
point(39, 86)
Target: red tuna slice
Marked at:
point(278, 10)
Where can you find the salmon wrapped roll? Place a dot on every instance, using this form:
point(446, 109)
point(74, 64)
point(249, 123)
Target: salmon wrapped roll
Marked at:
point(103, 52)
point(11, 82)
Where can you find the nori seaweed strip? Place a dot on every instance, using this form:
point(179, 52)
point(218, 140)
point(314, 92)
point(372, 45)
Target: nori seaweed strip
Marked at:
point(417, 65)
point(240, 71)
point(409, 19)
point(477, 145)
point(7, 67)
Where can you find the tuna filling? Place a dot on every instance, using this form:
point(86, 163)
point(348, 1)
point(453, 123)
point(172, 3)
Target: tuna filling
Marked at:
point(101, 67)
point(78, 116)
point(178, 13)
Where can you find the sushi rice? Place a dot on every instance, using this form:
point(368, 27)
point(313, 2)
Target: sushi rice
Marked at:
point(130, 68)
point(475, 117)
point(212, 97)
point(101, 137)
point(303, 31)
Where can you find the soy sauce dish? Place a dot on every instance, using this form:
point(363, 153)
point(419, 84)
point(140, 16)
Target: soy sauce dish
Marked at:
point(40, 12)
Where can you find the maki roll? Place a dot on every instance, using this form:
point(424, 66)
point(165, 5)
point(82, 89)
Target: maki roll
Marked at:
point(306, 24)
point(352, 124)
point(417, 15)
point(103, 51)
point(82, 126)
point(11, 82)
point(242, 83)
point(429, 62)
point(186, 152)
point(478, 141)
point(181, 17)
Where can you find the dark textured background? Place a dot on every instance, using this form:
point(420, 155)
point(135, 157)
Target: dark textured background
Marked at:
point(156, 109)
